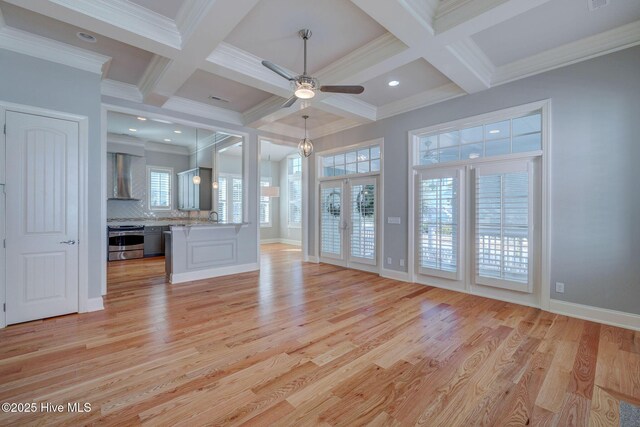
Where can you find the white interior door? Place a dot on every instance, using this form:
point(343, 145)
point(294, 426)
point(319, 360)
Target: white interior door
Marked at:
point(42, 217)
point(349, 222)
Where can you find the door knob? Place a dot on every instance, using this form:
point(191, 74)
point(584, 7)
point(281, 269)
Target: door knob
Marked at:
point(68, 242)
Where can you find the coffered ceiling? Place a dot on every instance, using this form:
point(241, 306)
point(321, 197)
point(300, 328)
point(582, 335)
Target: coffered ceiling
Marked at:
point(177, 54)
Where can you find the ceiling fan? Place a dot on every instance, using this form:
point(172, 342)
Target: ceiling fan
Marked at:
point(304, 85)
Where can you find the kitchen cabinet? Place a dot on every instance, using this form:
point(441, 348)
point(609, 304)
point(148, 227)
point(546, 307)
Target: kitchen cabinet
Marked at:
point(154, 240)
point(192, 197)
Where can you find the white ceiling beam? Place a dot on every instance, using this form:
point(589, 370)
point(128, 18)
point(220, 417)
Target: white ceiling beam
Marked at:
point(116, 19)
point(202, 39)
point(417, 33)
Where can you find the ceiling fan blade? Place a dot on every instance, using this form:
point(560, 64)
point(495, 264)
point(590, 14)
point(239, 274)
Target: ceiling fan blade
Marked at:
point(278, 70)
point(289, 102)
point(343, 89)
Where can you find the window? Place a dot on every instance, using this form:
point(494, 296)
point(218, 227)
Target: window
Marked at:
point(361, 160)
point(503, 212)
point(477, 223)
point(222, 199)
point(230, 198)
point(520, 134)
point(437, 222)
point(265, 205)
point(294, 191)
point(160, 188)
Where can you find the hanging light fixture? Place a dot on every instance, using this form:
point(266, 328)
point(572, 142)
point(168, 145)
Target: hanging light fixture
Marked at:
point(305, 146)
point(196, 177)
point(214, 184)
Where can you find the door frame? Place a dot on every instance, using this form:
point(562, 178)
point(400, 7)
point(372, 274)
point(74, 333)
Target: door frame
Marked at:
point(83, 192)
point(380, 255)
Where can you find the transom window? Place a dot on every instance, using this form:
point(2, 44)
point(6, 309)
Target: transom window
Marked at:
point(520, 134)
point(160, 188)
point(352, 162)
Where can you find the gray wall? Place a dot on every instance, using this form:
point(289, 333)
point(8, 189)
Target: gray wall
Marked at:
point(35, 82)
point(595, 239)
point(272, 170)
point(139, 209)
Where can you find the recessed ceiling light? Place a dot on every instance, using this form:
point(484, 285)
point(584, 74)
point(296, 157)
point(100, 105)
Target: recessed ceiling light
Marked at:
point(167, 140)
point(133, 130)
point(142, 118)
point(494, 131)
point(177, 131)
point(86, 37)
point(393, 83)
point(162, 121)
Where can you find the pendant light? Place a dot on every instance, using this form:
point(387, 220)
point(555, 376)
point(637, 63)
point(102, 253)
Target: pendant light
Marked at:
point(196, 177)
point(214, 177)
point(305, 146)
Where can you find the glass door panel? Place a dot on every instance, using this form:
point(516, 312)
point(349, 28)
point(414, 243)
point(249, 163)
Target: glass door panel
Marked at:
point(331, 220)
point(362, 225)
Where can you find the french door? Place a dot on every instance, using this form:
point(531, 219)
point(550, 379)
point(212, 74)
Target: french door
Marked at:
point(349, 222)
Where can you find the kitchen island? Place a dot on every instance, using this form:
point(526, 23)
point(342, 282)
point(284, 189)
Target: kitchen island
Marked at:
point(203, 250)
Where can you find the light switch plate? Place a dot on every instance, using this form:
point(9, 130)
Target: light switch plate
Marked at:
point(393, 220)
point(560, 287)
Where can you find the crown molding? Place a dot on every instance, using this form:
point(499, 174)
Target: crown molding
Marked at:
point(378, 50)
point(348, 106)
point(130, 17)
point(40, 47)
point(470, 55)
point(424, 11)
point(120, 90)
point(452, 13)
point(152, 74)
point(283, 130)
point(125, 139)
point(189, 16)
point(589, 47)
point(243, 63)
point(332, 127)
point(159, 147)
point(200, 109)
point(420, 100)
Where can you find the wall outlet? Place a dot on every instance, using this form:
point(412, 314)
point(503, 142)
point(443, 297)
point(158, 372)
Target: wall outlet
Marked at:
point(389, 261)
point(560, 287)
point(401, 263)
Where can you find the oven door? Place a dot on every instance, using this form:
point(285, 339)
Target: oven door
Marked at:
point(126, 240)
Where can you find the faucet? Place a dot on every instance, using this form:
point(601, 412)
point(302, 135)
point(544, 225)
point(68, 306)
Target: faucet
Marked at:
point(211, 214)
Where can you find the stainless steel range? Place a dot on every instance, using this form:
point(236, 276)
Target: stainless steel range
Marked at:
point(125, 242)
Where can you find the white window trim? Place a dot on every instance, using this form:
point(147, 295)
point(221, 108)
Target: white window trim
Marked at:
point(171, 187)
point(289, 223)
point(268, 224)
point(543, 297)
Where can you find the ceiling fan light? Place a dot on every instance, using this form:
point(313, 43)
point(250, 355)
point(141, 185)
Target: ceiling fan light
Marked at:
point(305, 147)
point(305, 92)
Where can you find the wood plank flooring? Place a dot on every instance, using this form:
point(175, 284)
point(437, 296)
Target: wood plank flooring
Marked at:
point(307, 344)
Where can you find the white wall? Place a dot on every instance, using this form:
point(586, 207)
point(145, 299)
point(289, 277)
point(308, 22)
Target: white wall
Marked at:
point(595, 202)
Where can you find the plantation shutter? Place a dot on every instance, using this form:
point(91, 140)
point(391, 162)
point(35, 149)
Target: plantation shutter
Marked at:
point(265, 205)
point(222, 199)
point(438, 219)
point(159, 189)
point(236, 198)
point(504, 225)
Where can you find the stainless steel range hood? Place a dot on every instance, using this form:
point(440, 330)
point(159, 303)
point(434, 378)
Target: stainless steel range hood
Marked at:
point(122, 177)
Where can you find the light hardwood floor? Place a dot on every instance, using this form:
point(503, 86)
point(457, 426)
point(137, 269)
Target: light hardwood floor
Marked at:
point(307, 344)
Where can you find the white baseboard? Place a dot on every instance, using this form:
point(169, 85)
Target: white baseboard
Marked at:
point(596, 314)
point(95, 304)
point(401, 276)
point(314, 259)
point(283, 241)
point(212, 272)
